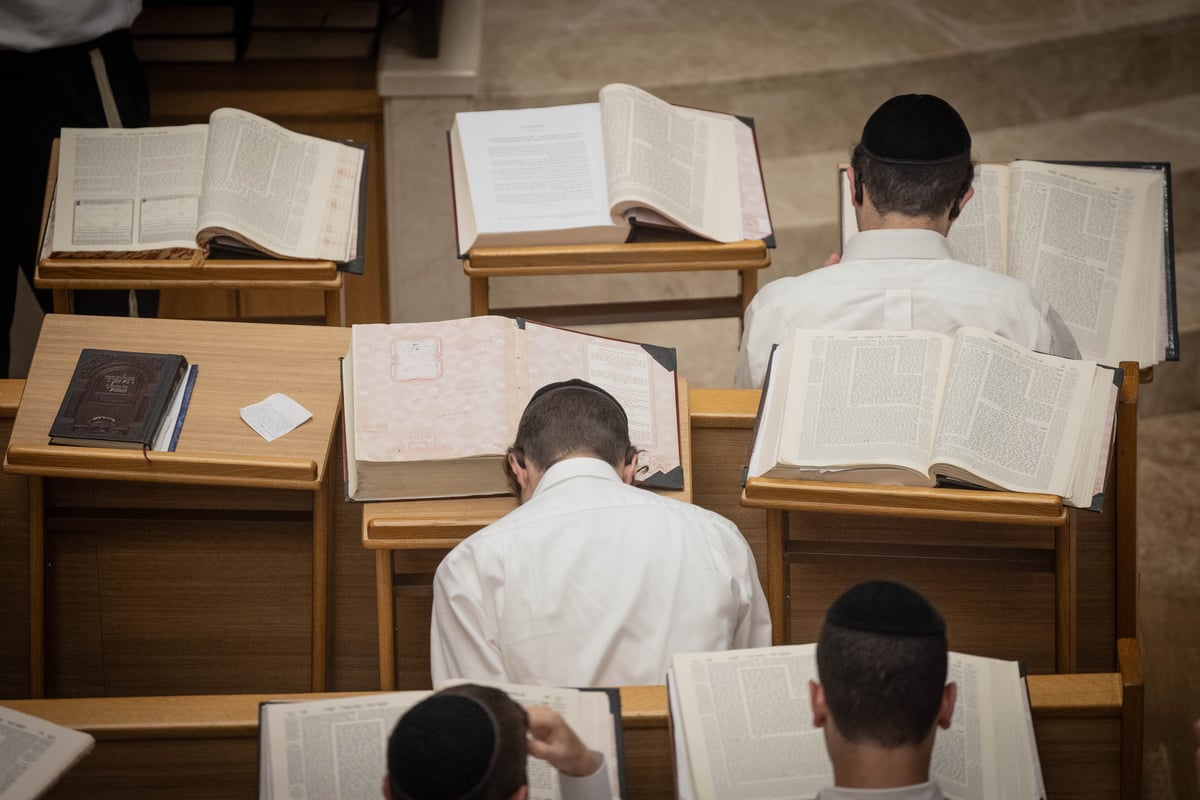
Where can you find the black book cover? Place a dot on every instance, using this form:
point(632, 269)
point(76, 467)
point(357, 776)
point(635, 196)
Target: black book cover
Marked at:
point(116, 398)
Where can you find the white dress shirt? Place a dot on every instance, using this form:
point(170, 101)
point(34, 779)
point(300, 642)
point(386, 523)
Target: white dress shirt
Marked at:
point(32, 25)
point(587, 787)
point(897, 279)
point(593, 583)
point(921, 791)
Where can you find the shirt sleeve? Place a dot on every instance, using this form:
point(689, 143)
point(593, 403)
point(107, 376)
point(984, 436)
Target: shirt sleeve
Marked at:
point(751, 359)
point(589, 787)
point(754, 626)
point(1062, 341)
point(459, 643)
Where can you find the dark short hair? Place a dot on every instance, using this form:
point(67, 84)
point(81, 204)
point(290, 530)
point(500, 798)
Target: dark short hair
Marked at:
point(466, 742)
point(570, 418)
point(883, 682)
point(914, 190)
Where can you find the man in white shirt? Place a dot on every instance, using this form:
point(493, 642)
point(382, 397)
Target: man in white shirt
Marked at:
point(590, 581)
point(882, 661)
point(470, 742)
point(911, 176)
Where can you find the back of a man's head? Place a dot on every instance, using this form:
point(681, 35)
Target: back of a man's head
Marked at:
point(914, 158)
point(466, 742)
point(573, 418)
point(882, 661)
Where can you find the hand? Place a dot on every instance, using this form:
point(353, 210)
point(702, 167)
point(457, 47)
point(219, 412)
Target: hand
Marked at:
point(834, 258)
point(552, 739)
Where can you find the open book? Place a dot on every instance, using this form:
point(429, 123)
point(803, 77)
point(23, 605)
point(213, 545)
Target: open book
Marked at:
point(1095, 239)
point(431, 408)
point(910, 407)
point(239, 182)
point(577, 174)
point(336, 749)
point(37, 753)
point(742, 727)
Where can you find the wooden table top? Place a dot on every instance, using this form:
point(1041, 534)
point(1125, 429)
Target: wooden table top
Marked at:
point(238, 364)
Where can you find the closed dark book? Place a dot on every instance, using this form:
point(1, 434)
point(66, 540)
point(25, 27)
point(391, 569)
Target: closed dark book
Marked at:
point(117, 398)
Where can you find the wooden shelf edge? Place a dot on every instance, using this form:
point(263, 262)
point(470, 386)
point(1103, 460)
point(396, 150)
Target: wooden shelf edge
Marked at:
point(189, 468)
point(905, 501)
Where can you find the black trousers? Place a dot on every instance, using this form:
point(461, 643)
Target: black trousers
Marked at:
point(44, 92)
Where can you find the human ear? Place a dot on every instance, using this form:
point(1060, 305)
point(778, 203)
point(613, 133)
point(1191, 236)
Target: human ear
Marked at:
point(518, 470)
point(957, 208)
point(816, 698)
point(946, 712)
point(856, 189)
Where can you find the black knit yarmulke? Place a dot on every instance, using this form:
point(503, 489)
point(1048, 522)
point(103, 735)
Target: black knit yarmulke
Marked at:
point(916, 129)
point(887, 608)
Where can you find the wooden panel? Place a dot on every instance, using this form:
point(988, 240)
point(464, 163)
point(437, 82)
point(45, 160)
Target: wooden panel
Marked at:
point(1096, 609)
point(354, 660)
point(165, 769)
point(74, 632)
point(14, 558)
point(413, 609)
point(986, 614)
point(1086, 757)
point(717, 458)
point(153, 611)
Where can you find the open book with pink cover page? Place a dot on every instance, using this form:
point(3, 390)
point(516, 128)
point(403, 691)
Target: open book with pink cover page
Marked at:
point(432, 407)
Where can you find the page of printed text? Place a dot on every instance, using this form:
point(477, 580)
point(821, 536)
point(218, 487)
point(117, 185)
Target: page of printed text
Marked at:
point(128, 189)
point(293, 195)
point(1010, 415)
point(680, 162)
point(866, 397)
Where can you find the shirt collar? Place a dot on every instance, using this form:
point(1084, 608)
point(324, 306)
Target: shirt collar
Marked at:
point(906, 243)
point(574, 467)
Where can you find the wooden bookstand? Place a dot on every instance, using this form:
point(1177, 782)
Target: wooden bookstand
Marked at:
point(976, 510)
point(280, 482)
point(746, 258)
point(65, 275)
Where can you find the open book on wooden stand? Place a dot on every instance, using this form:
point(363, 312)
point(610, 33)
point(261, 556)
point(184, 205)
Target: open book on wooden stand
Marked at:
point(148, 210)
point(923, 409)
point(627, 184)
point(430, 408)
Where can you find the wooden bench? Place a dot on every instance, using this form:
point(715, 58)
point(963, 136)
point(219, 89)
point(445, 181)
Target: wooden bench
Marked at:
point(1088, 727)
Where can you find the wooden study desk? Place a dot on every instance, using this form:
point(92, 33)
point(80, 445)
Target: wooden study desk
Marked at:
point(996, 582)
point(1088, 729)
point(410, 537)
point(746, 258)
point(232, 479)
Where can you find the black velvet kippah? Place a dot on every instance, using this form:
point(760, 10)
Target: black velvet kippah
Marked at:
point(576, 383)
point(885, 607)
point(442, 748)
point(916, 129)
